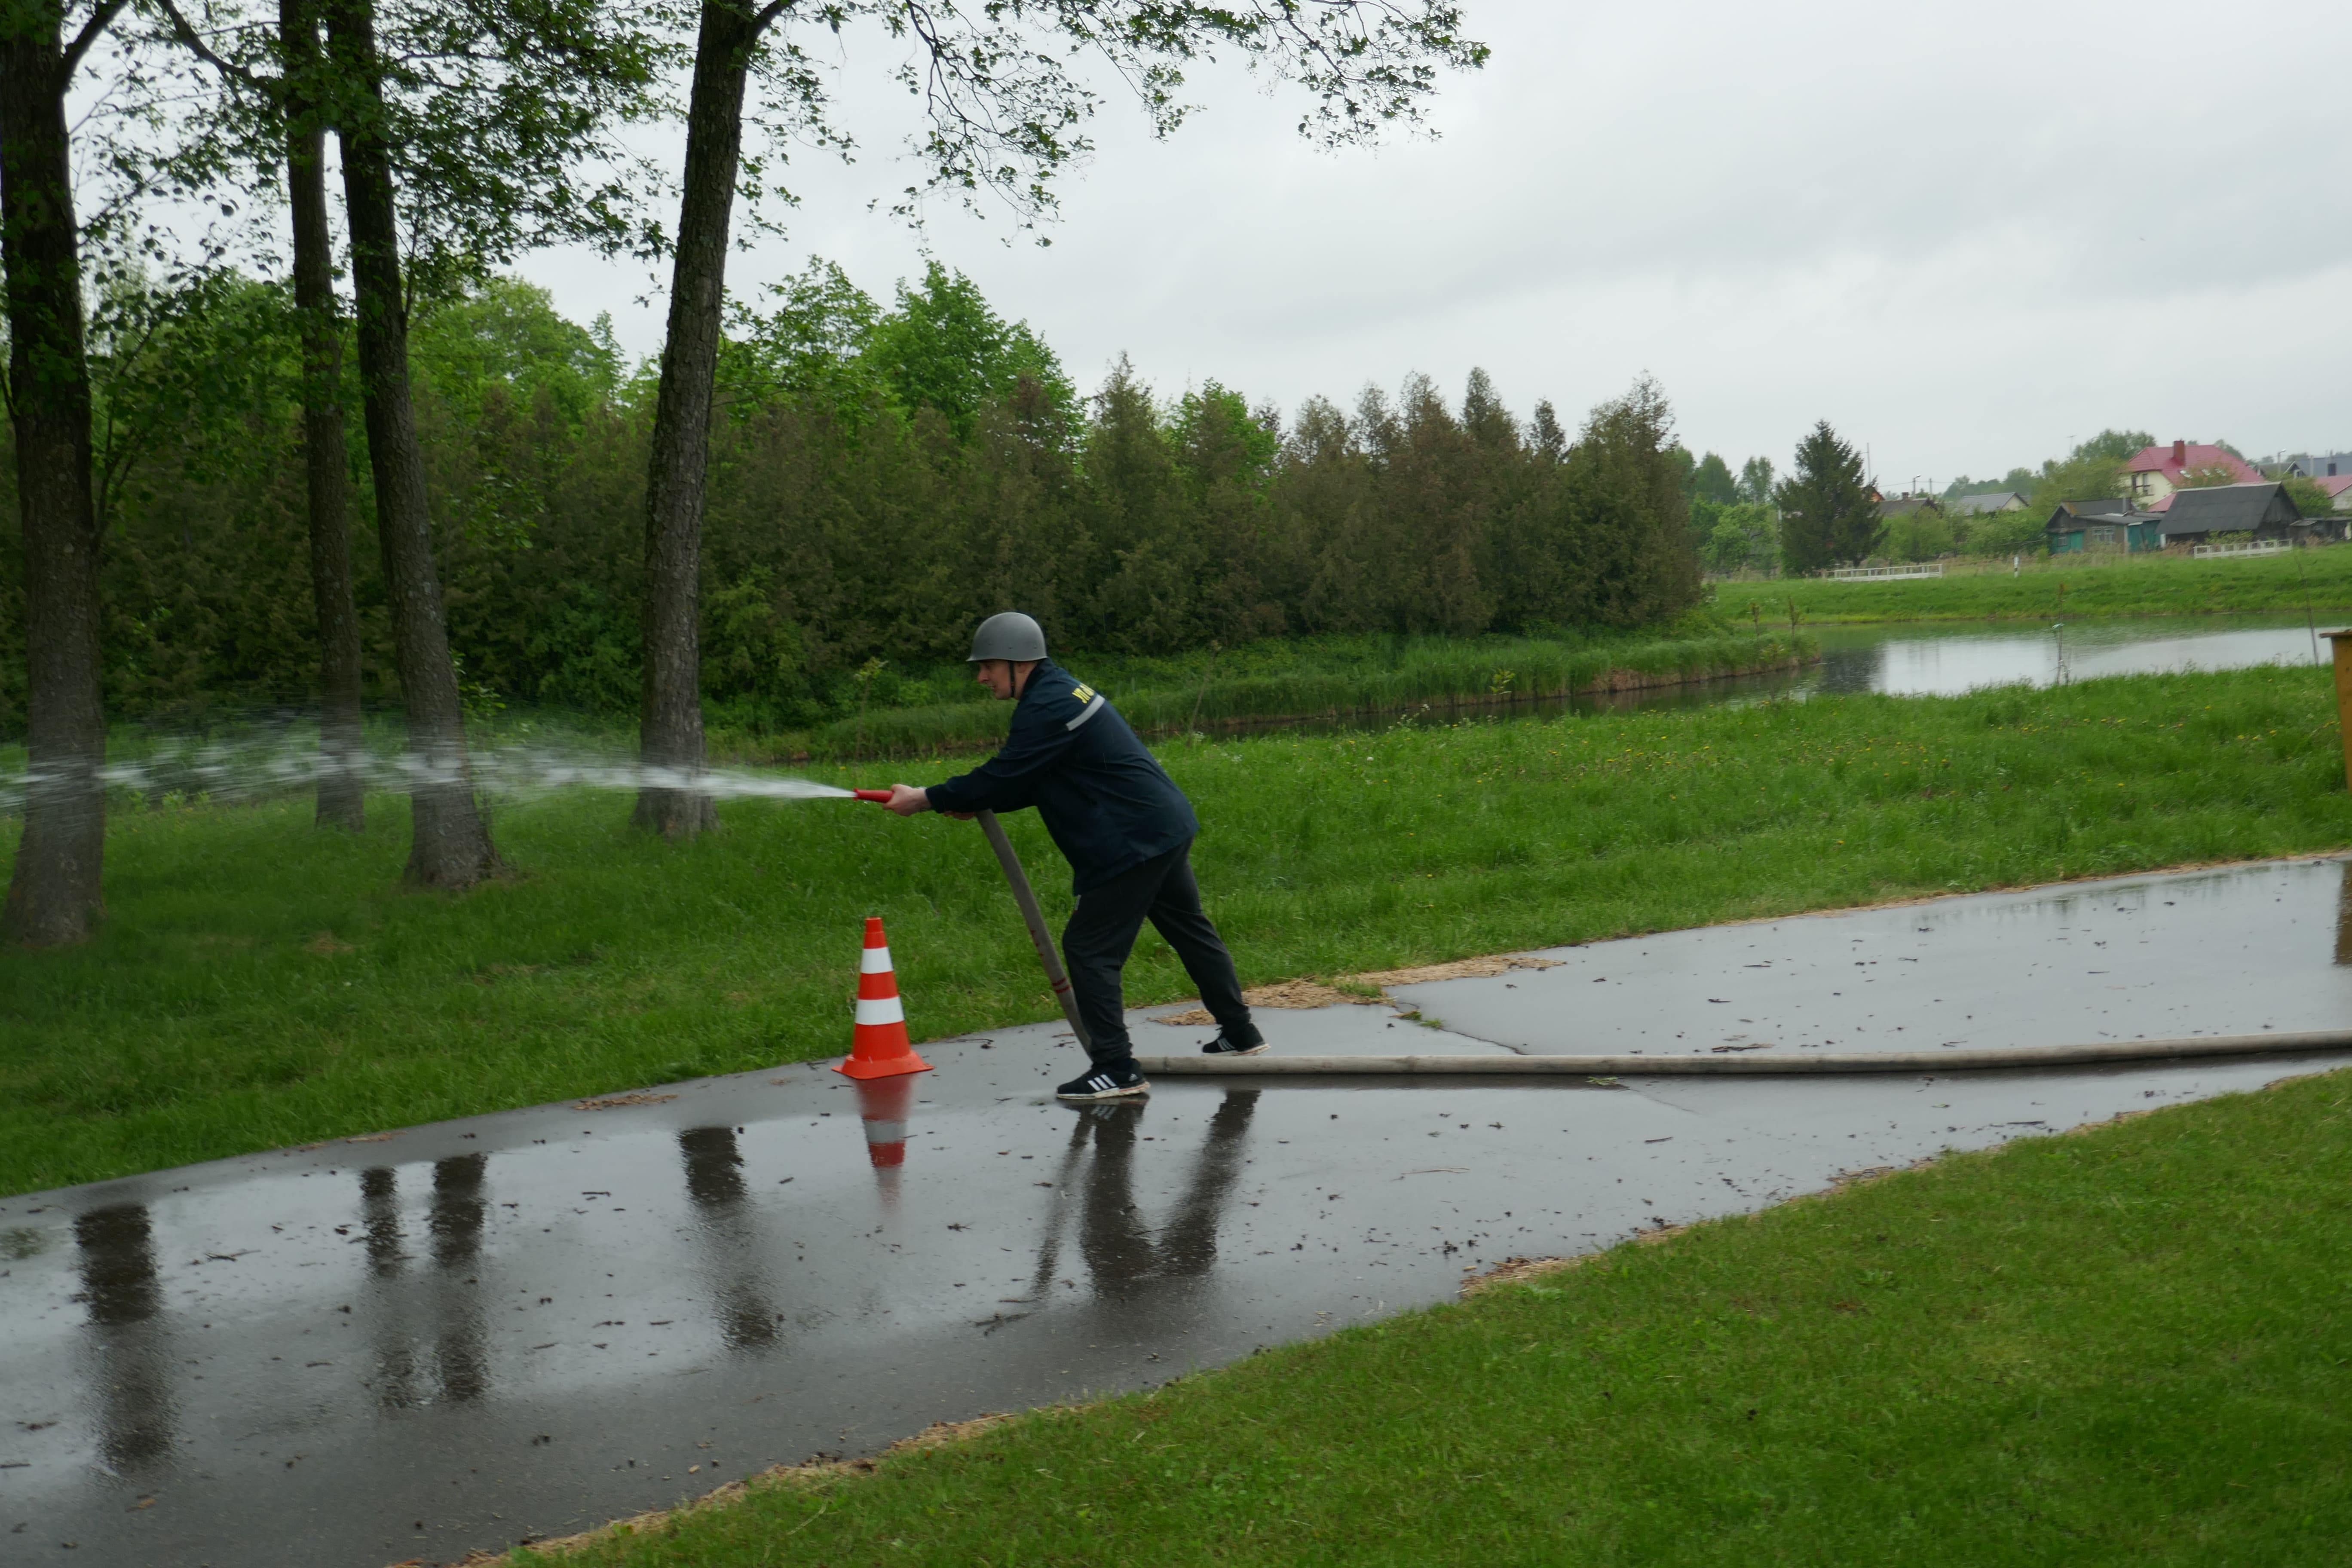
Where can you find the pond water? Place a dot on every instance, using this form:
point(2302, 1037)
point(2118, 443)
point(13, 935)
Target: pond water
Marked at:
point(1936, 659)
point(1943, 660)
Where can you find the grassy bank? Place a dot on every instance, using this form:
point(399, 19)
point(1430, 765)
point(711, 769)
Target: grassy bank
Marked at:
point(2148, 585)
point(2130, 1345)
point(1303, 678)
point(259, 984)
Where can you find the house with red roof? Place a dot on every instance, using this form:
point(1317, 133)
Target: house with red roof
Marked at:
point(2339, 490)
point(2151, 477)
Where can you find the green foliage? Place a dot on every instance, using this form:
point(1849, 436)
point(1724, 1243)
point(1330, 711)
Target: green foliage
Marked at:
point(944, 348)
point(1685, 468)
point(1711, 480)
point(2092, 471)
point(2085, 477)
point(2002, 534)
point(207, 1019)
point(848, 516)
point(1756, 481)
point(2018, 481)
point(2207, 477)
point(1742, 536)
point(1602, 537)
point(1923, 533)
point(2115, 445)
point(813, 348)
point(1827, 516)
point(507, 334)
point(2308, 497)
point(1707, 489)
point(1355, 678)
point(501, 124)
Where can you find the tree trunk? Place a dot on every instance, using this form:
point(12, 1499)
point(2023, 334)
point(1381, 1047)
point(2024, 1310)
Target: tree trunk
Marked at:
point(670, 726)
point(54, 894)
point(342, 793)
point(451, 846)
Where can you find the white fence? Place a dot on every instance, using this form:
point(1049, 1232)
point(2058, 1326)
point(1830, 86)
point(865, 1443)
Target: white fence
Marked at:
point(2258, 547)
point(1886, 573)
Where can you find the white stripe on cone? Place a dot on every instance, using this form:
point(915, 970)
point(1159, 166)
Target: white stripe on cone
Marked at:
point(878, 1010)
point(876, 962)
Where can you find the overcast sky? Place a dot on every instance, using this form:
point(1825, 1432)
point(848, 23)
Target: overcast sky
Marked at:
point(1967, 235)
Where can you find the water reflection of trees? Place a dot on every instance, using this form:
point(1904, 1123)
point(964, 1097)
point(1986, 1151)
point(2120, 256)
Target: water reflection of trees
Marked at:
point(2344, 918)
point(448, 1360)
point(128, 1339)
point(729, 1232)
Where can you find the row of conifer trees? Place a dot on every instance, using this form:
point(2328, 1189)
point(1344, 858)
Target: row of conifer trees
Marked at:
point(880, 479)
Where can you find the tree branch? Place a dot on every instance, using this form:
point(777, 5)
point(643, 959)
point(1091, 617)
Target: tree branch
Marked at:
point(100, 20)
point(203, 51)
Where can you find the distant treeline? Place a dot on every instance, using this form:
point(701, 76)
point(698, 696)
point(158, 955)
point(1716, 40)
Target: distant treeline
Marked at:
point(880, 480)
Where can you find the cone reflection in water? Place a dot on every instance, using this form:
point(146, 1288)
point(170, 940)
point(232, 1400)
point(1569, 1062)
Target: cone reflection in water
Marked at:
point(882, 1104)
point(879, 1044)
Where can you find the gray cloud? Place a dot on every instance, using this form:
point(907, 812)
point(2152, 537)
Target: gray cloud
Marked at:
point(1968, 235)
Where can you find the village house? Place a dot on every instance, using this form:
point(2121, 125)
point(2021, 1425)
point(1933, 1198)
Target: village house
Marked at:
point(2338, 487)
point(2262, 511)
point(2097, 525)
point(1979, 505)
point(2322, 465)
point(2152, 476)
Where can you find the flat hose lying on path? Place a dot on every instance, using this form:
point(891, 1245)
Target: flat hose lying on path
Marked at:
point(1275, 1066)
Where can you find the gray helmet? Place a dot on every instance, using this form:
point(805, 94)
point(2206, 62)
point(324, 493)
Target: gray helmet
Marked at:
point(1011, 635)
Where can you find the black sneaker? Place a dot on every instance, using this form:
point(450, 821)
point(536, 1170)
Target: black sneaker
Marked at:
point(1115, 1081)
point(1224, 1045)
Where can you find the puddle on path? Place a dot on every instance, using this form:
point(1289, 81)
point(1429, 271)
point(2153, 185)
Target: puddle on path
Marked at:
point(2236, 951)
point(524, 1324)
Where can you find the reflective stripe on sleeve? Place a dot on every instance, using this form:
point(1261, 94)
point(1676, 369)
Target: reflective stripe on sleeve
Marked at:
point(1088, 711)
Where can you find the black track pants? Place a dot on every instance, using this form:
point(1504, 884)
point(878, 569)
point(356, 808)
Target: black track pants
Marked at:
point(1102, 932)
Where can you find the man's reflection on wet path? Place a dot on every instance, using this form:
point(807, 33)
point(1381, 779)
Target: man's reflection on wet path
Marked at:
point(1124, 1253)
point(729, 1233)
point(131, 1350)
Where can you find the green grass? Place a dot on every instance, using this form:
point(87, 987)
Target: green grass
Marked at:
point(262, 983)
point(2148, 585)
point(1291, 677)
point(2128, 1346)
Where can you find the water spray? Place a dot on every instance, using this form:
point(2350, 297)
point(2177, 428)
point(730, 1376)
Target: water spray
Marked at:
point(1035, 918)
point(227, 771)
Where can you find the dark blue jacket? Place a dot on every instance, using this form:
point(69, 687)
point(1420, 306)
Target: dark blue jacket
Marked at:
point(1107, 802)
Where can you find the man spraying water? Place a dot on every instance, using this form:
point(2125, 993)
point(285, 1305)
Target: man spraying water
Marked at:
point(1124, 826)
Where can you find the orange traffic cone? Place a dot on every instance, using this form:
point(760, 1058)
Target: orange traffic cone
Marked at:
point(878, 1047)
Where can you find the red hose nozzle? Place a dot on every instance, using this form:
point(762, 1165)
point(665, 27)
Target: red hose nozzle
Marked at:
point(880, 796)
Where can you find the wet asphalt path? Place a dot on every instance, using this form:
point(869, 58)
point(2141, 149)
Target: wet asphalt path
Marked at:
point(519, 1325)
